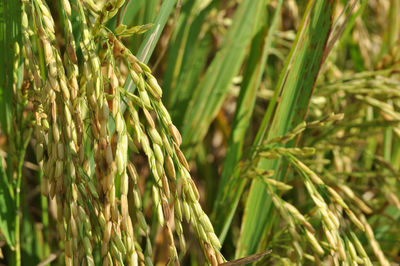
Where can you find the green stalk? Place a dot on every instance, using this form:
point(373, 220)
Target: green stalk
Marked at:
point(10, 57)
point(10, 34)
point(45, 220)
point(395, 160)
point(25, 138)
point(372, 143)
point(17, 211)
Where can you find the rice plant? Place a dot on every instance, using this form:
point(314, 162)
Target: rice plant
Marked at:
point(195, 132)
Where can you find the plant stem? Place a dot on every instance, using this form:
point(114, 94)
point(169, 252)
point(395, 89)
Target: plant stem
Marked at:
point(45, 221)
point(17, 212)
point(21, 158)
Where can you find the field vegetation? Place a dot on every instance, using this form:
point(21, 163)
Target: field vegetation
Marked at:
point(200, 132)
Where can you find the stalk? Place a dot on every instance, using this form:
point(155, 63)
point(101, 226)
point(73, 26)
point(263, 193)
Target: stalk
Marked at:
point(45, 220)
point(11, 90)
point(18, 196)
point(17, 212)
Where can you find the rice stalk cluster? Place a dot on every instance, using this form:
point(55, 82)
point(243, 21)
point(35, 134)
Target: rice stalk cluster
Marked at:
point(85, 140)
point(86, 120)
point(337, 221)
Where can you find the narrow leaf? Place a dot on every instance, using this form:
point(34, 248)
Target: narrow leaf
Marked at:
point(212, 90)
point(7, 211)
point(295, 88)
point(229, 188)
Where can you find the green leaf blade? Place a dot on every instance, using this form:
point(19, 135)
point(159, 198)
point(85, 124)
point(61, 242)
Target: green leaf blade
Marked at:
point(7, 210)
point(295, 89)
point(231, 187)
point(211, 91)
